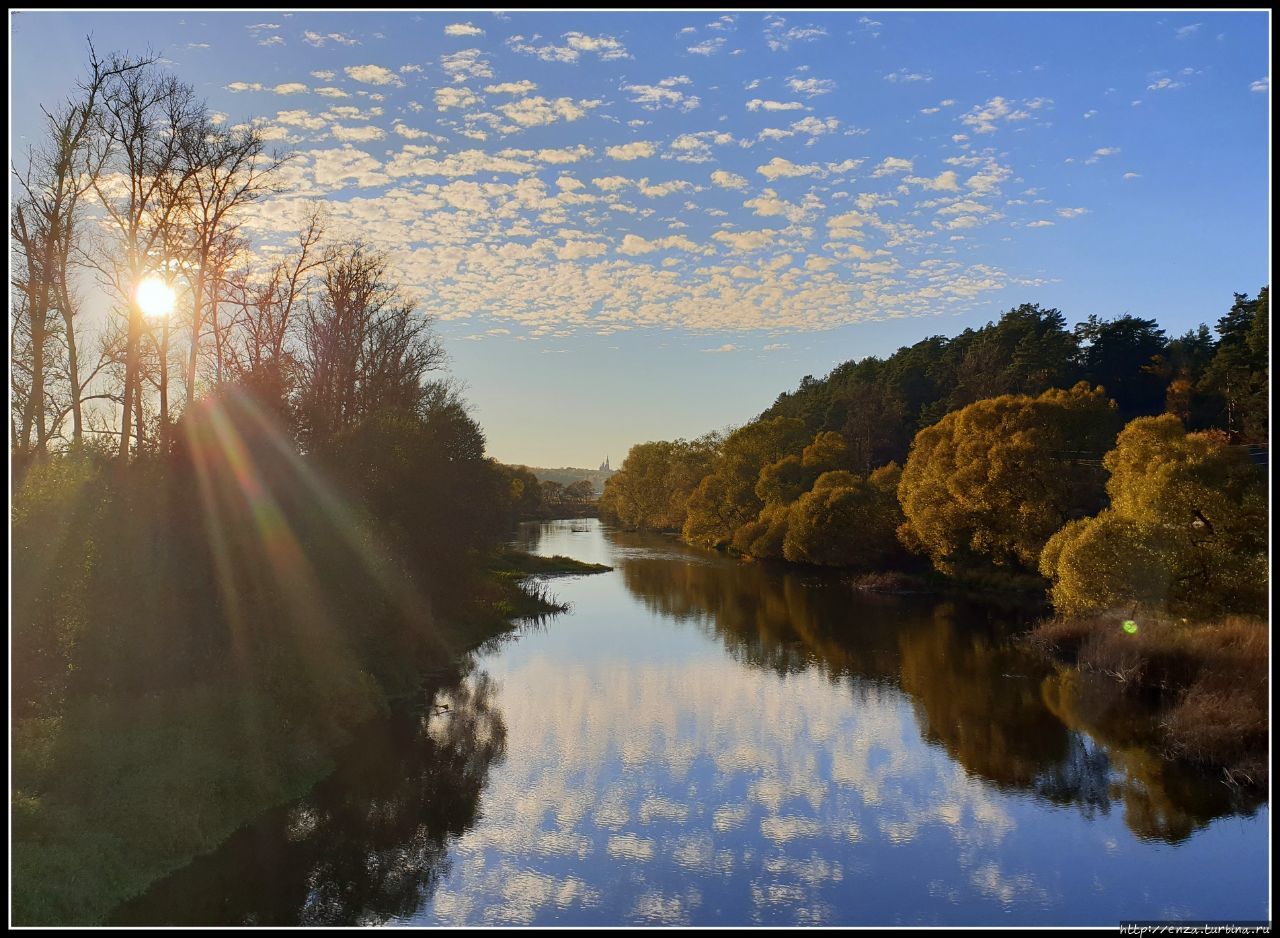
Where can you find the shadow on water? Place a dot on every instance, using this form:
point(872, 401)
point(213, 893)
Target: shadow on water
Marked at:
point(368, 844)
point(1007, 716)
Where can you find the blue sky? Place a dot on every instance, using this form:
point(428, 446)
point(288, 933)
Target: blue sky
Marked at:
point(636, 226)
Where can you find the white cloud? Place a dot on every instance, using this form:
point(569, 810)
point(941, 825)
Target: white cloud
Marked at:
point(728, 180)
point(708, 46)
point(539, 111)
point(744, 241)
point(780, 167)
point(1262, 85)
point(606, 48)
point(1128, 176)
point(903, 75)
point(634, 245)
point(511, 87)
point(554, 156)
point(755, 104)
point(1072, 212)
point(779, 38)
point(364, 134)
point(892, 164)
point(727, 347)
point(468, 63)
point(1042, 223)
point(1164, 84)
point(328, 92)
point(663, 94)
point(373, 75)
point(811, 86)
point(815, 127)
point(302, 119)
point(237, 86)
point(631, 151)
point(318, 40)
point(463, 29)
point(1186, 32)
point(448, 97)
point(291, 87)
point(944, 182)
point(410, 133)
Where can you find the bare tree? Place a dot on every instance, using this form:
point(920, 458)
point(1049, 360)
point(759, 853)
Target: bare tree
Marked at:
point(146, 121)
point(46, 228)
point(364, 345)
point(232, 170)
point(261, 354)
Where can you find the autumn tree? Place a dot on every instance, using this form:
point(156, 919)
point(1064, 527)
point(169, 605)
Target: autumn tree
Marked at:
point(726, 499)
point(1186, 530)
point(988, 484)
point(651, 489)
point(847, 520)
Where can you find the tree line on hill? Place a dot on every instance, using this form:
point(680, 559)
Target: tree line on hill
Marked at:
point(1125, 451)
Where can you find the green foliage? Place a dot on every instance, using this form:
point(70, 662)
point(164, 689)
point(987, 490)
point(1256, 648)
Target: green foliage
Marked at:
point(1186, 530)
point(1125, 356)
point(1236, 380)
point(989, 484)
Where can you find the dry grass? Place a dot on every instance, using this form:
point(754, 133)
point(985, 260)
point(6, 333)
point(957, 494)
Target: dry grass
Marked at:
point(1209, 681)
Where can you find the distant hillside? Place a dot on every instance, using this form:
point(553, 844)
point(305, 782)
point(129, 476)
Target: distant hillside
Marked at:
point(567, 475)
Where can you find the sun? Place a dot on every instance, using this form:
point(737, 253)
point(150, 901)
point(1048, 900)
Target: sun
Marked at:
point(155, 297)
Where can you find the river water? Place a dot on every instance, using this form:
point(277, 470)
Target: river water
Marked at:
point(707, 742)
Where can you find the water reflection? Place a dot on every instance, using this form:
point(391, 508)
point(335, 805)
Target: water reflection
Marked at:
point(707, 742)
point(1001, 712)
point(368, 844)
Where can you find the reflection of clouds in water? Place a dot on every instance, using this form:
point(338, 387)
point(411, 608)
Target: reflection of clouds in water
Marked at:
point(655, 908)
point(729, 817)
point(631, 847)
point(687, 766)
point(1005, 888)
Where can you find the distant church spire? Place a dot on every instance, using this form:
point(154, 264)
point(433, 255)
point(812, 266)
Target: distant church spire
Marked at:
point(604, 466)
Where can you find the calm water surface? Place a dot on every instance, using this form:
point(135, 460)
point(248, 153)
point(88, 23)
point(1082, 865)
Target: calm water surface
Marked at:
point(707, 742)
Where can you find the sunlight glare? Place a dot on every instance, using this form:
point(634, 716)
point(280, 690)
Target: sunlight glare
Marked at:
point(156, 298)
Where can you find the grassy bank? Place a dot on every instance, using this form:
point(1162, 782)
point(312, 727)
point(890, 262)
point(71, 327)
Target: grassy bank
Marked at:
point(114, 793)
point(1206, 683)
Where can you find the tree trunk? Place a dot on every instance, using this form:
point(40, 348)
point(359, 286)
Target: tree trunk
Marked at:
point(130, 379)
point(197, 311)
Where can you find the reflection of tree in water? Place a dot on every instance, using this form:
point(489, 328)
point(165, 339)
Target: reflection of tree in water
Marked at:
point(1001, 712)
point(368, 844)
point(769, 618)
point(1163, 800)
point(980, 699)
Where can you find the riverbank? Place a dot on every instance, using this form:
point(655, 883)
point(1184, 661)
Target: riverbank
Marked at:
point(1204, 684)
point(116, 792)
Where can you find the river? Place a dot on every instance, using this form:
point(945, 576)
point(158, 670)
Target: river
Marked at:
point(701, 741)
